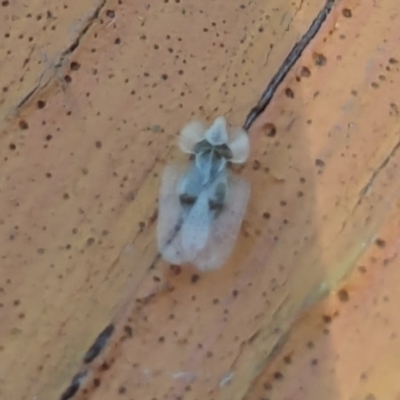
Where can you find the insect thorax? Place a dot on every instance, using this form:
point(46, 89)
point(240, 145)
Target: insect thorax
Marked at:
point(219, 150)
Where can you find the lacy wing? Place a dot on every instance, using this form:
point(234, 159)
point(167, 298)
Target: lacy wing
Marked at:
point(225, 227)
point(170, 216)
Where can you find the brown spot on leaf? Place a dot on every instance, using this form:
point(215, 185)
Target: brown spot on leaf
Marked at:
point(343, 295)
point(269, 129)
point(346, 12)
point(380, 242)
point(319, 59)
point(23, 125)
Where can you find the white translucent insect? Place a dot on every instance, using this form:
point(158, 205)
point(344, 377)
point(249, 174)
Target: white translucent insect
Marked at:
point(201, 207)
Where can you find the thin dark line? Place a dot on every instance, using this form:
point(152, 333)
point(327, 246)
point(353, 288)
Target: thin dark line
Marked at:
point(98, 345)
point(288, 64)
point(74, 386)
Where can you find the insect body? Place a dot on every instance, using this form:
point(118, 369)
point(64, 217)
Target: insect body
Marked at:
point(201, 207)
